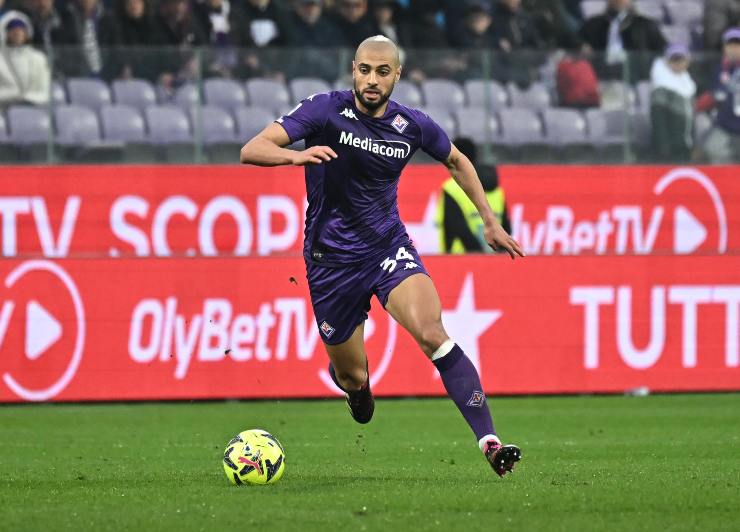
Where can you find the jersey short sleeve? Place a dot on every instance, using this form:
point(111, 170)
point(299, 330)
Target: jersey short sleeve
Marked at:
point(306, 118)
point(434, 140)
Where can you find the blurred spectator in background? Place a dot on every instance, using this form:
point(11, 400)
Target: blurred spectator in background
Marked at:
point(722, 144)
point(354, 22)
point(515, 34)
point(513, 28)
point(2, 7)
point(24, 71)
point(223, 24)
point(48, 28)
point(426, 31)
point(126, 29)
point(476, 32)
point(175, 27)
point(671, 105)
point(458, 221)
point(80, 20)
point(719, 15)
point(577, 83)
point(619, 30)
point(308, 26)
point(556, 26)
point(390, 21)
point(266, 23)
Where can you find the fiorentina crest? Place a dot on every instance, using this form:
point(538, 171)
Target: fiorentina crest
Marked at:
point(476, 399)
point(399, 123)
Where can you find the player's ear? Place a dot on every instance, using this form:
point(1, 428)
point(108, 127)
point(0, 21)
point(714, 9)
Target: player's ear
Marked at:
point(398, 73)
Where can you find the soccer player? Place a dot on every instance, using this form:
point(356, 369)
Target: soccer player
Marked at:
point(357, 144)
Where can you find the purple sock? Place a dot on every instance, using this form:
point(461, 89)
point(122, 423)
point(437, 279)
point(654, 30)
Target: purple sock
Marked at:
point(463, 386)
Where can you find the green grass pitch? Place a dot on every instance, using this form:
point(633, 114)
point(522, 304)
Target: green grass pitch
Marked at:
point(660, 463)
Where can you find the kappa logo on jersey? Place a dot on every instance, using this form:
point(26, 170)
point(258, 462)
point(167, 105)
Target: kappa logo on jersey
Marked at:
point(476, 399)
point(411, 266)
point(399, 123)
point(327, 329)
point(349, 113)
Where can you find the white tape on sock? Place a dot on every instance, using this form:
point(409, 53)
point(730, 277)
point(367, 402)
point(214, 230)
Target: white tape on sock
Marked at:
point(443, 349)
point(484, 439)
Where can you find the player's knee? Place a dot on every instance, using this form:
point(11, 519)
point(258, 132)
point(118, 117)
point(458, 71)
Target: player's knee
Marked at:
point(431, 336)
point(352, 379)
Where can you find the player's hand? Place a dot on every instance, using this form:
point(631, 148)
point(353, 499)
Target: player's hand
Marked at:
point(314, 155)
point(499, 239)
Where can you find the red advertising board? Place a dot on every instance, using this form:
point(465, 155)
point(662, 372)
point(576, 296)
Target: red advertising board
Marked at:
point(166, 282)
point(168, 211)
point(105, 329)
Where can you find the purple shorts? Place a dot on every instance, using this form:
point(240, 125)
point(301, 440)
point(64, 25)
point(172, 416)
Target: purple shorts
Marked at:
point(341, 296)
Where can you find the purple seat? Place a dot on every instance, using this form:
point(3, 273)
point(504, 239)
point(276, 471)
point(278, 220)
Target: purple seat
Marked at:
point(605, 127)
point(442, 93)
point(168, 124)
point(3, 130)
point(443, 117)
point(616, 95)
point(677, 34)
point(86, 92)
point(651, 9)
point(267, 93)
point(58, 94)
point(217, 124)
point(186, 96)
point(644, 89)
point(477, 125)
point(250, 120)
point(138, 93)
point(476, 89)
point(302, 88)
point(564, 126)
point(535, 97)
point(76, 125)
point(520, 126)
point(28, 125)
point(224, 93)
point(685, 13)
point(591, 8)
point(122, 123)
point(702, 124)
point(407, 93)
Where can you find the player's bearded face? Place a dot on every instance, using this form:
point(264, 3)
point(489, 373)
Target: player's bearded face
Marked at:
point(373, 86)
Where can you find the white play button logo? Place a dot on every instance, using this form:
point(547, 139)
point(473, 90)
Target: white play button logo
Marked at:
point(688, 232)
point(42, 330)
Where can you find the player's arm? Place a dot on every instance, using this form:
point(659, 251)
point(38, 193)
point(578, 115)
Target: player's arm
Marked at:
point(463, 171)
point(267, 148)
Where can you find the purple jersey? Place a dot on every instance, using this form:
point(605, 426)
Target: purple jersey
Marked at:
point(353, 200)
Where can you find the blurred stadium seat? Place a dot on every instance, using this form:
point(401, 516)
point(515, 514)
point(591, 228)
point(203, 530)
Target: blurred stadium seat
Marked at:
point(267, 93)
point(122, 123)
point(225, 93)
point(76, 125)
point(442, 116)
point(564, 126)
point(138, 93)
point(535, 97)
point(302, 88)
point(167, 125)
point(250, 120)
point(28, 125)
point(476, 89)
point(442, 93)
point(474, 123)
point(87, 92)
point(407, 93)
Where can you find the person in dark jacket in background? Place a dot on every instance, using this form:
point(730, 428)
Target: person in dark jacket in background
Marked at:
point(126, 29)
point(615, 33)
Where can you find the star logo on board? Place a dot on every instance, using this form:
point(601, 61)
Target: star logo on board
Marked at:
point(399, 123)
point(465, 323)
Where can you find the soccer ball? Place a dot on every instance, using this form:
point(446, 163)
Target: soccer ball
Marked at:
point(254, 457)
